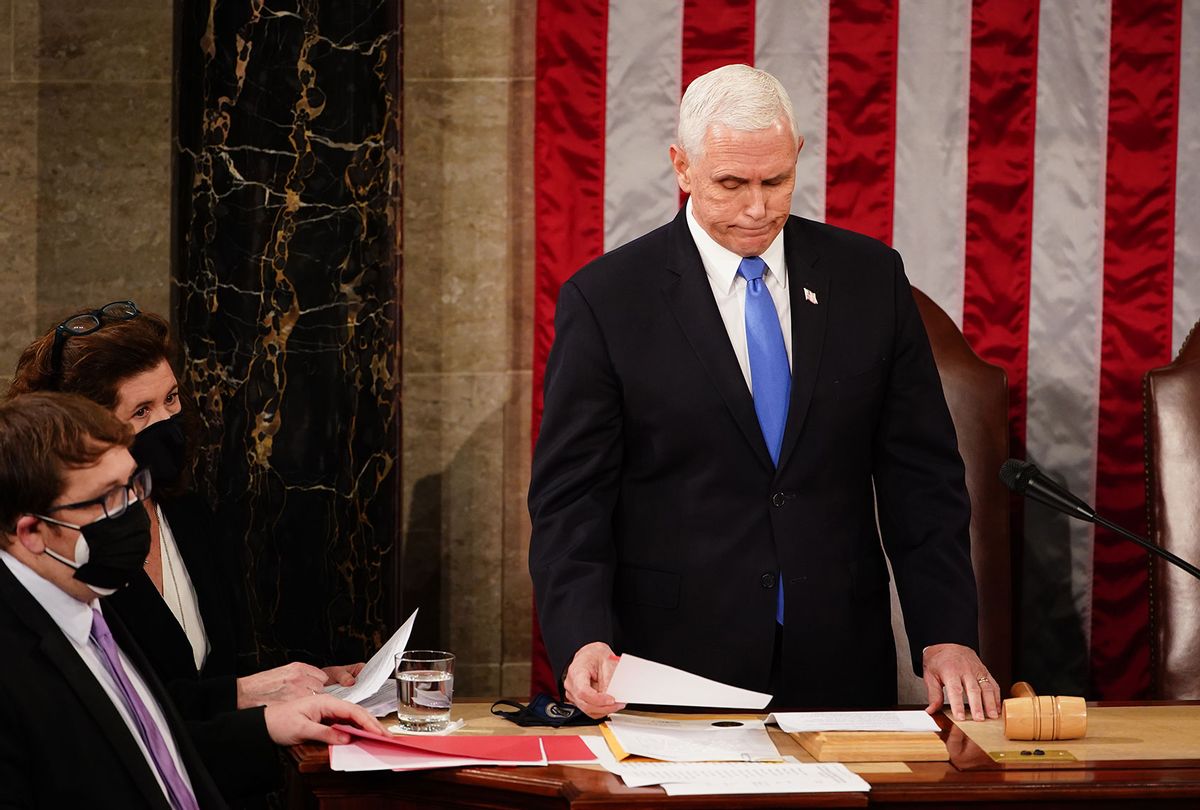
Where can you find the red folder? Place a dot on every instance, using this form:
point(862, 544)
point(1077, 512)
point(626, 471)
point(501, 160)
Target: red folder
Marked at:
point(501, 748)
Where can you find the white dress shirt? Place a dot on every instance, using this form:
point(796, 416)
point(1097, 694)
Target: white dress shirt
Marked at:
point(729, 289)
point(74, 618)
point(179, 593)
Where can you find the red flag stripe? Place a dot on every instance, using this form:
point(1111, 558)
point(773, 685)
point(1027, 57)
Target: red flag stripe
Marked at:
point(860, 158)
point(1143, 115)
point(572, 42)
point(716, 33)
point(1003, 106)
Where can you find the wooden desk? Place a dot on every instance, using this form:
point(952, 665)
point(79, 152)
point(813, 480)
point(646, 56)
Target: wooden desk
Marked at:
point(967, 779)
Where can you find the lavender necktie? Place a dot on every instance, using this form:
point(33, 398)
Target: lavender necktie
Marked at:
point(178, 792)
point(770, 374)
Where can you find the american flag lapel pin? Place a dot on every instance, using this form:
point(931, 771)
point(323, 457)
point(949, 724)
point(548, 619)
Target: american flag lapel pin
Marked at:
point(810, 296)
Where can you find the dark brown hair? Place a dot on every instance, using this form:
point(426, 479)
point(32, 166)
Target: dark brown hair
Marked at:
point(43, 435)
point(96, 364)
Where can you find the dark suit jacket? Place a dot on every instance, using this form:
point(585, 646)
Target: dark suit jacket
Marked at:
point(659, 521)
point(197, 695)
point(62, 741)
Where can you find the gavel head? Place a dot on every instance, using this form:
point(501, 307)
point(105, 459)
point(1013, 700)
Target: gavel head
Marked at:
point(1040, 717)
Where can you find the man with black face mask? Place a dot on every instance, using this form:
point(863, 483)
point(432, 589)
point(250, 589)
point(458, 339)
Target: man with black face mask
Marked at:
point(83, 720)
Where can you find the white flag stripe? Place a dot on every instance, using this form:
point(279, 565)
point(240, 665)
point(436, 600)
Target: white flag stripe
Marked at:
point(930, 199)
point(792, 44)
point(645, 71)
point(1186, 309)
point(1066, 283)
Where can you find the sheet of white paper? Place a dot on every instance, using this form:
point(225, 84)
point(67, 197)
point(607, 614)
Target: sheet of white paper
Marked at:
point(368, 755)
point(636, 680)
point(641, 774)
point(821, 777)
point(726, 740)
point(378, 671)
point(383, 702)
point(604, 754)
point(746, 777)
point(908, 720)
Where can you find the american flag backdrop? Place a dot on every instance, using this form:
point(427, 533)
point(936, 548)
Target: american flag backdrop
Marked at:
point(1033, 162)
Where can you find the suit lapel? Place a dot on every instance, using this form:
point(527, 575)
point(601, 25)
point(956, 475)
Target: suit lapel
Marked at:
point(63, 658)
point(805, 271)
point(690, 299)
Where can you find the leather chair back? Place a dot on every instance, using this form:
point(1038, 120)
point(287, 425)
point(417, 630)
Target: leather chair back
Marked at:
point(1172, 407)
point(977, 393)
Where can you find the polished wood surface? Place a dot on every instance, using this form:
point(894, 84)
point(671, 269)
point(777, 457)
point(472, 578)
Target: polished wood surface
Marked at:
point(970, 778)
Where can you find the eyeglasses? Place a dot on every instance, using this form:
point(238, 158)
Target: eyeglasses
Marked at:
point(113, 503)
point(85, 324)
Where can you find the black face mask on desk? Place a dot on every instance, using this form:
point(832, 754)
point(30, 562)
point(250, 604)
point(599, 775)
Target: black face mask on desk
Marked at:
point(543, 711)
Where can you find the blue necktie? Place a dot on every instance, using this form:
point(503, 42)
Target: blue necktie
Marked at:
point(770, 375)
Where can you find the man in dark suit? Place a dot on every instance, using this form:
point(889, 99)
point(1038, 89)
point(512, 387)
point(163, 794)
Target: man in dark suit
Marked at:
point(83, 720)
point(727, 401)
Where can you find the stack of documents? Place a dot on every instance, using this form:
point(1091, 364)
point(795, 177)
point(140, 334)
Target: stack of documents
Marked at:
point(377, 752)
point(696, 778)
point(375, 687)
point(907, 720)
point(728, 755)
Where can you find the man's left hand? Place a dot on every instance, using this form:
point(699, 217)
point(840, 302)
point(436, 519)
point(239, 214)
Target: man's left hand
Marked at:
point(959, 670)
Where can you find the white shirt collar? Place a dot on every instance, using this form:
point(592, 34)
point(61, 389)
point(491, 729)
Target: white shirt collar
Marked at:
point(73, 617)
point(721, 264)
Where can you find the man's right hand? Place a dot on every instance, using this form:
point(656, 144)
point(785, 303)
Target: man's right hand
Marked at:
point(587, 680)
point(303, 720)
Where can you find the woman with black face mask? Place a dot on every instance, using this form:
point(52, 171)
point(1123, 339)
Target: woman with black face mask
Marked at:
point(182, 607)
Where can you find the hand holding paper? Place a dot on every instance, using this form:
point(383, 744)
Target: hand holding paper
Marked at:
point(587, 680)
point(637, 680)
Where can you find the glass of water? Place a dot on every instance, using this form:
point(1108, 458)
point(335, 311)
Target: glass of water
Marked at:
point(424, 689)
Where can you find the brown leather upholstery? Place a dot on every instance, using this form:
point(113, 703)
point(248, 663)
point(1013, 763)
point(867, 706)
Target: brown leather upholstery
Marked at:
point(1173, 501)
point(977, 393)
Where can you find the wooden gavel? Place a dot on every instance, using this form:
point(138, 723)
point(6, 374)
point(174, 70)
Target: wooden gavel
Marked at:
point(1029, 716)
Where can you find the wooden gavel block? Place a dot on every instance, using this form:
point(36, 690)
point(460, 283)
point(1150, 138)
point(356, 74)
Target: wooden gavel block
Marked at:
point(1029, 716)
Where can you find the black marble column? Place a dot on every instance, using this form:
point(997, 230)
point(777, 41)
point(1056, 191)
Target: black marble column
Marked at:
point(286, 298)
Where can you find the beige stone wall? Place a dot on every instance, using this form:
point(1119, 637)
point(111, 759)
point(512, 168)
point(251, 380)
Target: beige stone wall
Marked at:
point(468, 303)
point(85, 160)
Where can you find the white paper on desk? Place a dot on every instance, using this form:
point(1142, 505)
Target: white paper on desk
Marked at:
point(643, 774)
point(719, 740)
point(820, 777)
point(373, 684)
point(368, 755)
point(636, 680)
point(907, 720)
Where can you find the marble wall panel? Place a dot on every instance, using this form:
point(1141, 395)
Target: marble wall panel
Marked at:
point(103, 182)
point(456, 227)
point(6, 40)
point(94, 40)
point(466, 39)
point(18, 220)
point(468, 331)
point(287, 297)
point(84, 158)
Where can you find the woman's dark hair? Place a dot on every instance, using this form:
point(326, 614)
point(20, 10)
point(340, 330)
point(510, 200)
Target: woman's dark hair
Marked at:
point(94, 365)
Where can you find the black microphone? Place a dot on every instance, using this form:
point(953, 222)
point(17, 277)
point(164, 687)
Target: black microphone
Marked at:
point(1024, 478)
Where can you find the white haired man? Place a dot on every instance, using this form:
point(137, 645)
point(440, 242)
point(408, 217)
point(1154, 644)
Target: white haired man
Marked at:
point(727, 400)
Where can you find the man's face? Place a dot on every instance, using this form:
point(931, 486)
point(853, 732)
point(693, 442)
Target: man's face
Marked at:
point(113, 469)
point(741, 184)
